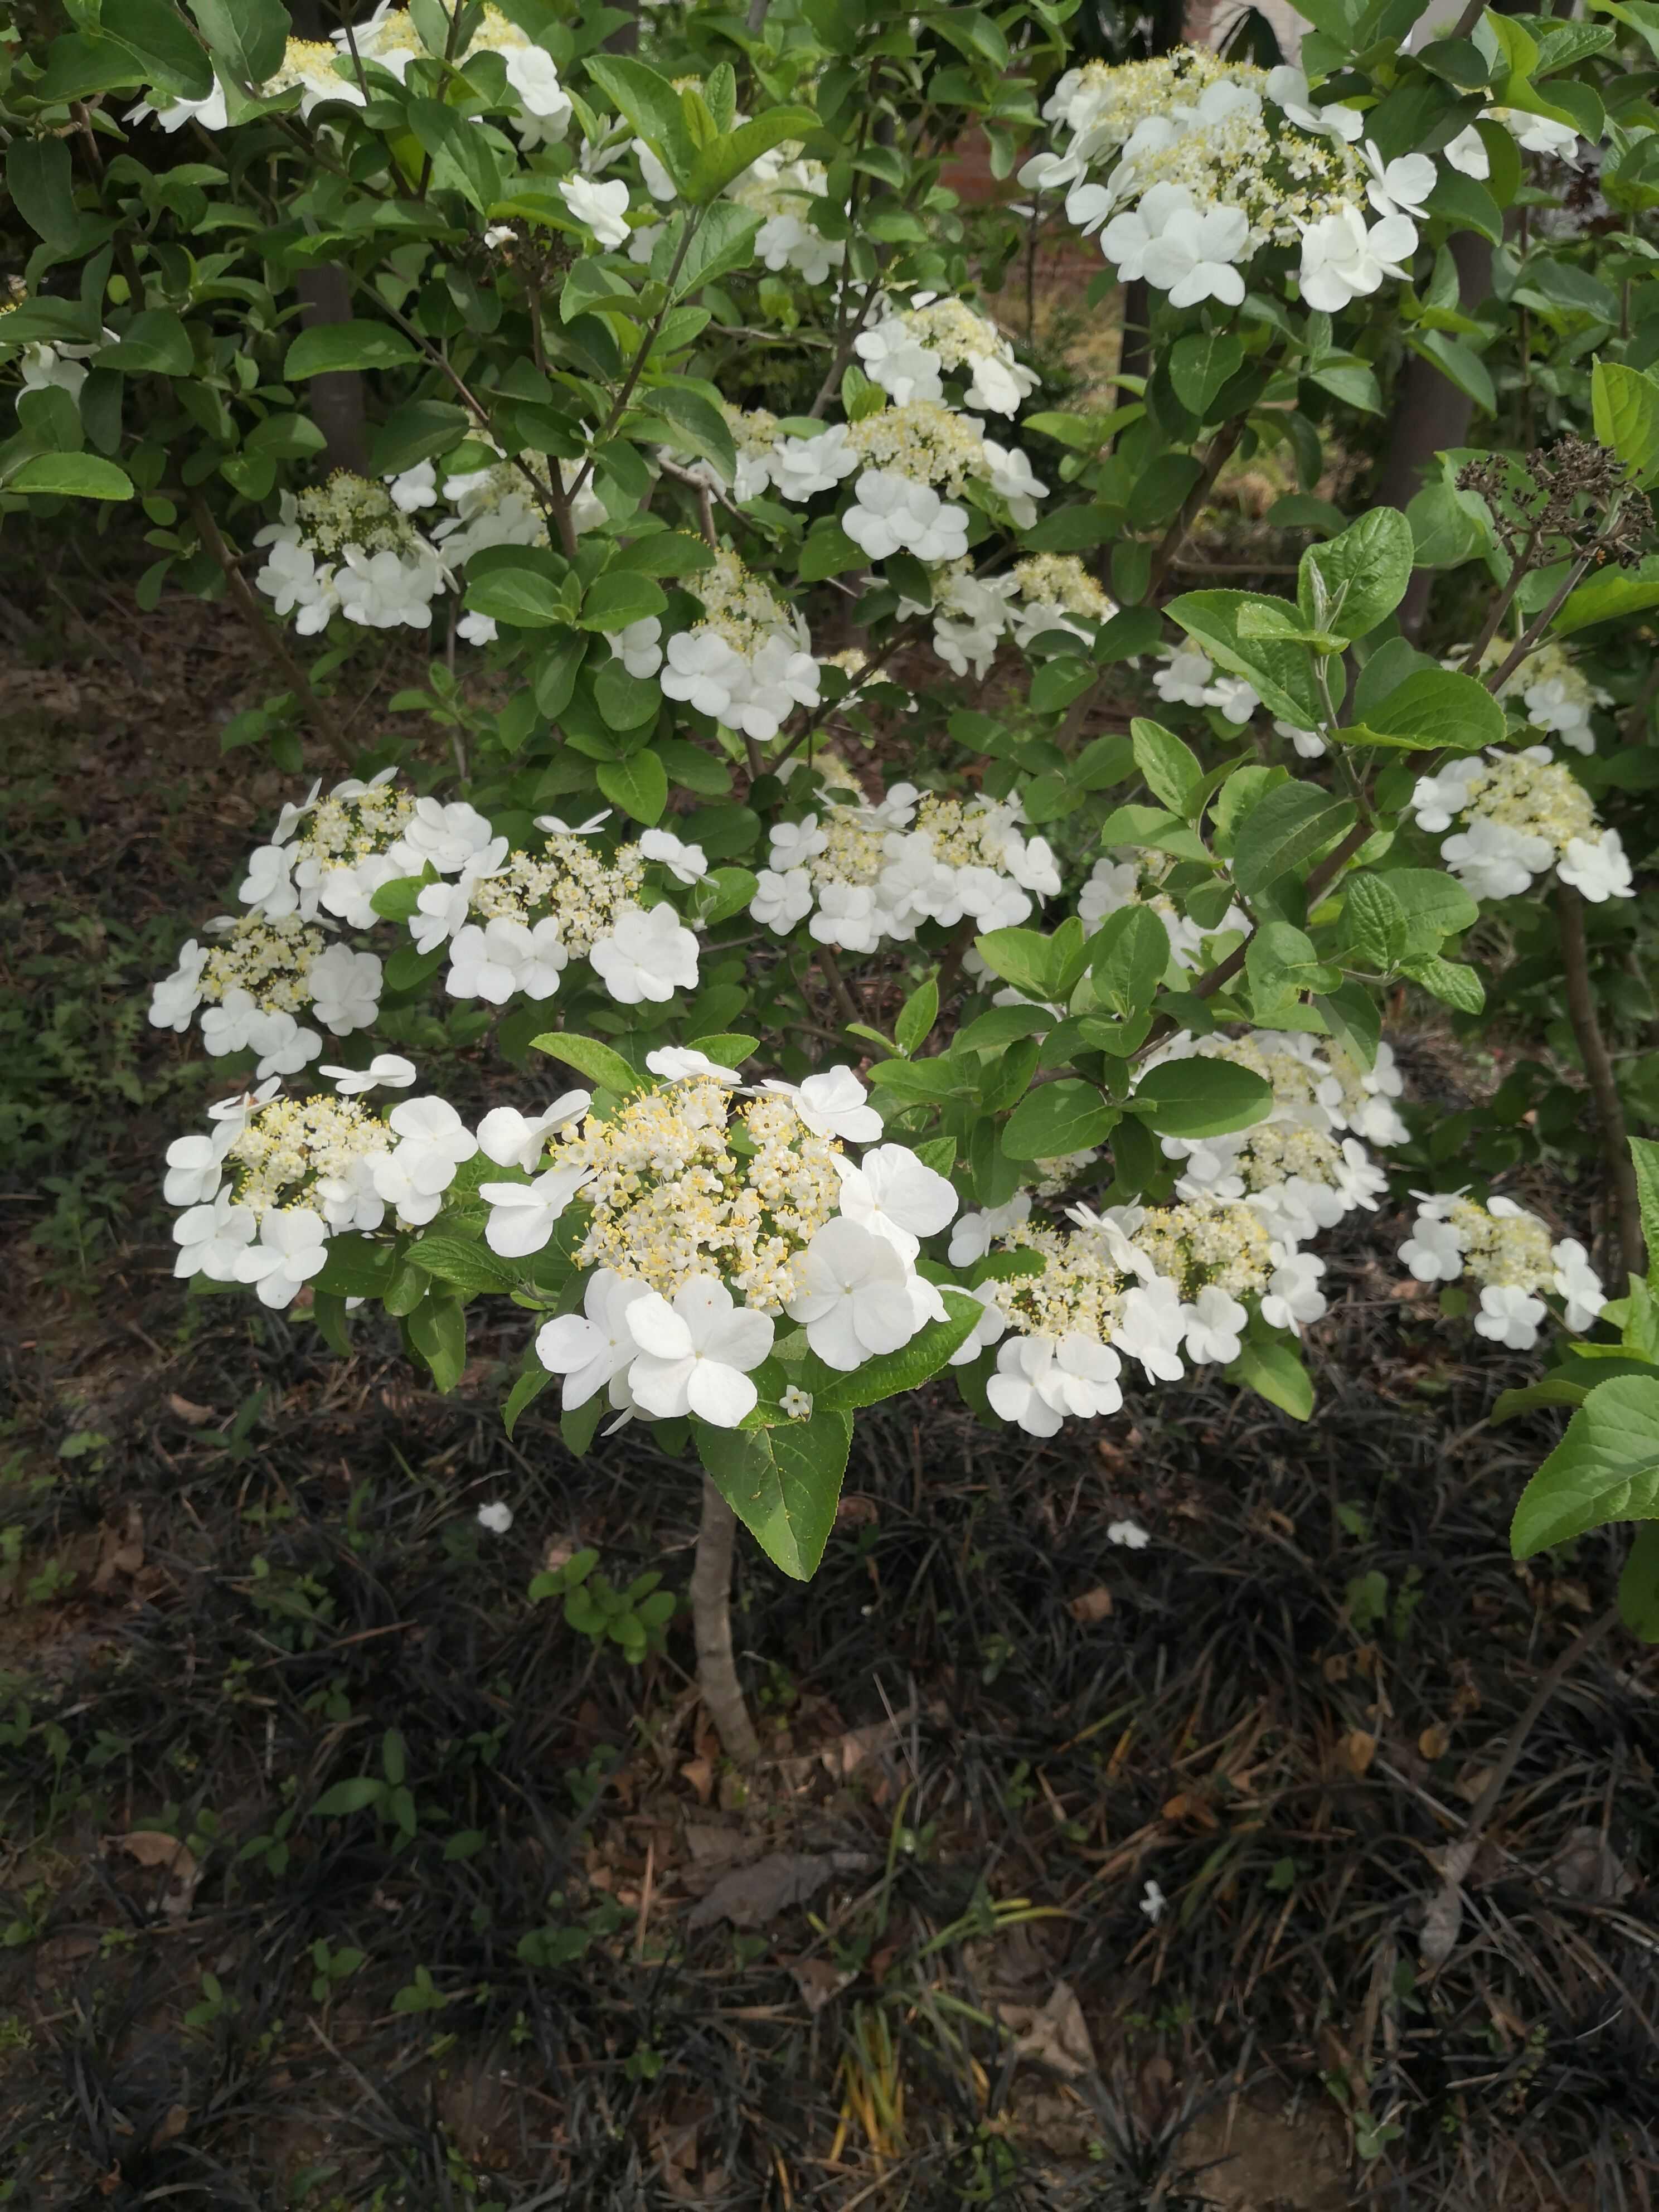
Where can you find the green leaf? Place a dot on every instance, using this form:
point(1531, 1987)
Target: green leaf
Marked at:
point(639, 785)
point(1449, 981)
point(1281, 672)
point(1129, 958)
point(626, 702)
point(462, 1265)
point(1067, 1116)
point(1200, 364)
point(652, 106)
point(828, 551)
point(1169, 769)
point(597, 1062)
point(463, 151)
point(162, 43)
point(721, 894)
point(723, 240)
point(416, 432)
point(329, 346)
point(1605, 1468)
point(71, 476)
point(891, 1374)
point(154, 343)
point(356, 1268)
point(1287, 825)
point(249, 36)
point(782, 1483)
point(701, 427)
point(528, 1388)
point(1638, 1585)
point(1609, 596)
point(1645, 1158)
point(664, 553)
point(1377, 927)
point(523, 598)
point(1280, 962)
point(1200, 1097)
point(1436, 905)
point(1625, 406)
point(1274, 1372)
point(355, 1796)
point(917, 1015)
point(437, 1330)
point(1352, 582)
point(714, 168)
point(1020, 957)
point(41, 177)
point(618, 598)
point(1467, 203)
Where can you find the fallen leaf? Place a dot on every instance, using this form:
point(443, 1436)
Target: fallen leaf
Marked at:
point(1093, 1605)
point(853, 1510)
point(1435, 1741)
point(193, 1416)
point(700, 1773)
point(753, 1895)
point(1471, 1785)
point(120, 1551)
point(153, 1847)
point(1586, 1866)
point(818, 1981)
point(172, 2124)
point(1357, 1750)
point(849, 1752)
point(1055, 2035)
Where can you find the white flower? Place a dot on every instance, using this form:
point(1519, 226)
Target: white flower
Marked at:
point(233, 1115)
point(639, 646)
point(1597, 869)
point(532, 74)
point(417, 487)
point(1153, 1903)
point(802, 466)
point(893, 515)
point(1192, 257)
point(1150, 1329)
point(1509, 1315)
point(380, 591)
point(505, 956)
point(894, 1195)
point(495, 1518)
point(194, 1171)
point(1213, 1324)
point(347, 1198)
point(267, 886)
point(857, 1296)
point(513, 1141)
point(211, 1239)
point(1436, 799)
point(1288, 87)
point(833, 1103)
point(433, 1142)
point(177, 996)
point(440, 910)
point(705, 672)
point(1128, 239)
point(1293, 1293)
point(1538, 135)
point(593, 1353)
point(895, 358)
point(1012, 478)
point(282, 1045)
point(1184, 679)
point(1577, 1282)
point(797, 1404)
point(678, 1063)
point(794, 843)
point(477, 630)
point(1237, 699)
point(781, 901)
point(645, 955)
point(603, 208)
point(1495, 860)
point(1468, 152)
point(555, 827)
point(1401, 187)
point(211, 113)
point(973, 1235)
point(522, 1215)
point(1341, 260)
point(846, 918)
point(1130, 1533)
point(293, 582)
point(687, 864)
point(292, 1246)
point(345, 990)
point(696, 1355)
point(1039, 1380)
point(1309, 744)
point(452, 838)
point(388, 1071)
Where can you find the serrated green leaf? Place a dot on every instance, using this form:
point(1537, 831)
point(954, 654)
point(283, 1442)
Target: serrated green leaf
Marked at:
point(1605, 1468)
point(598, 1062)
point(783, 1483)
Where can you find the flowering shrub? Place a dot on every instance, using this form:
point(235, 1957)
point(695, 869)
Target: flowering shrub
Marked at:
point(1027, 1035)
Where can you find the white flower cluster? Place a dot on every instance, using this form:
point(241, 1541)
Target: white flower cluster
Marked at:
point(1297, 1169)
point(749, 662)
point(1190, 678)
point(973, 614)
point(1510, 1253)
point(691, 1197)
point(1554, 691)
point(868, 874)
point(782, 193)
point(261, 1195)
point(1135, 878)
point(255, 981)
point(1523, 813)
point(908, 350)
point(348, 548)
point(388, 40)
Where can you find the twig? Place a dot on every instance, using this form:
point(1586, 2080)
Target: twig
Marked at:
point(711, 1618)
point(830, 967)
point(318, 714)
point(1444, 1914)
point(1604, 1086)
point(1219, 454)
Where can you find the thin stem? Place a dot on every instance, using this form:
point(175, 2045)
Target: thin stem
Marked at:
point(272, 641)
point(637, 367)
point(1500, 606)
point(1541, 621)
point(711, 1622)
point(830, 967)
point(1604, 1087)
point(1219, 454)
point(1445, 1912)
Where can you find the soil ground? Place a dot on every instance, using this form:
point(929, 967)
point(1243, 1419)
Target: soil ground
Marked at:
point(549, 1951)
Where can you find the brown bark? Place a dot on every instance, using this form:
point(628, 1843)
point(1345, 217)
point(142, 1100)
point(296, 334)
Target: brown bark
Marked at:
point(1604, 1088)
point(711, 1622)
point(335, 398)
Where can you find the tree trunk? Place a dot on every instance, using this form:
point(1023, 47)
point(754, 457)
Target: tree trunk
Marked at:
point(1626, 1230)
point(711, 1618)
point(1430, 414)
point(336, 396)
